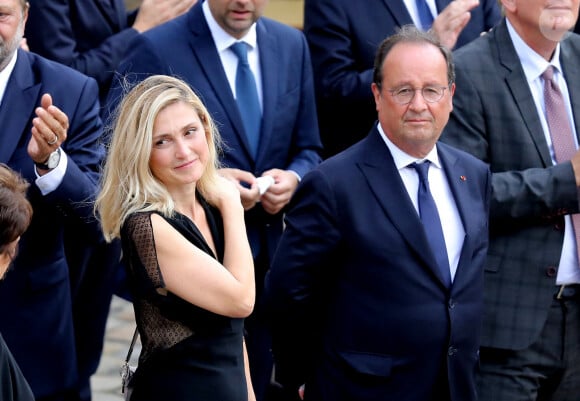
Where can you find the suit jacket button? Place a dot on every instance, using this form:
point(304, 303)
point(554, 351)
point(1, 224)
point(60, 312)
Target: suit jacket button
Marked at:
point(558, 227)
point(551, 271)
point(451, 351)
point(451, 304)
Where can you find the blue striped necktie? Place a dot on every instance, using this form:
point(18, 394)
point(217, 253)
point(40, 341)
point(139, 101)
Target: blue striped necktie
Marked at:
point(431, 222)
point(425, 16)
point(247, 97)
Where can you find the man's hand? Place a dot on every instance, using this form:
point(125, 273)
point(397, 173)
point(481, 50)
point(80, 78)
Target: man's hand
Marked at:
point(278, 194)
point(226, 194)
point(155, 12)
point(246, 184)
point(451, 21)
point(49, 130)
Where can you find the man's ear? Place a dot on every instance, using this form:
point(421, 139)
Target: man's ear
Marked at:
point(376, 94)
point(508, 5)
point(25, 13)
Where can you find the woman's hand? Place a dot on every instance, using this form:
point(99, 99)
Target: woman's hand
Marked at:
point(226, 195)
point(246, 184)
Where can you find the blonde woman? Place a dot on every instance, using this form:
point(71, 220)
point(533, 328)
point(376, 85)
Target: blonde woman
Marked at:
point(184, 242)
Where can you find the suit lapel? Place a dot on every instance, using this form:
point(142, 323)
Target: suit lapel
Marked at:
point(571, 72)
point(204, 49)
point(459, 186)
point(270, 72)
point(398, 11)
point(385, 183)
point(454, 171)
point(15, 112)
point(401, 14)
point(520, 90)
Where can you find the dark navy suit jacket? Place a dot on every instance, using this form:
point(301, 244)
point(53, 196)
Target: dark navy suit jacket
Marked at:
point(90, 36)
point(86, 35)
point(359, 311)
point(343, 36)
point(36, 316)
point(289, 138)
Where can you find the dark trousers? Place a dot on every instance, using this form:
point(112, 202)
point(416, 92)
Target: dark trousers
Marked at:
point(259, 344)
point(92, 291)
point(548, 370)
point(258, 335)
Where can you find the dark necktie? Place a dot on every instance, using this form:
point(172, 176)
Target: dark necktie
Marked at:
point(425, 16)
point(431, 222)
point(560, 132)
point(247, 97)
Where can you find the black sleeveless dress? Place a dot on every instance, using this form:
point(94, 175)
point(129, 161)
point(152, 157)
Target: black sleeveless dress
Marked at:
point(188, 353)
point(13, 385)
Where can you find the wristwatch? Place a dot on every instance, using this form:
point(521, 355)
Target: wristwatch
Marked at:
point(51, 162)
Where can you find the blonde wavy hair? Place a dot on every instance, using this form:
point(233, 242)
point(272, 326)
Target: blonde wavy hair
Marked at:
point(127, 183)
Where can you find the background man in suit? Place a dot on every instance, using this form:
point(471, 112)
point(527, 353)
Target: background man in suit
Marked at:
point(503, 115)
point(197, 48)
point(362, 309)
point(343, 36)
point(38, 326)
point(92, 36)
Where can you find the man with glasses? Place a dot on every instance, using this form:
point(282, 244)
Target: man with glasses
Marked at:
point(372, 297)
point(343, 36)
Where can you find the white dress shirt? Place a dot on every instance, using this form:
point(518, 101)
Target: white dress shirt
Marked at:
point(453, 230)
point(224, 40)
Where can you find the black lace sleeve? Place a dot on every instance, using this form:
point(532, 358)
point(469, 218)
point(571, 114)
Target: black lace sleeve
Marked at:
point(158, 312)
point(140, 255)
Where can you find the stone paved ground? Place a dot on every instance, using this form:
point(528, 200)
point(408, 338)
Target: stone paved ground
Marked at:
point(106, 383)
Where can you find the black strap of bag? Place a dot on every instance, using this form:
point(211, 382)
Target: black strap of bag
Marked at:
point(135, 335)
point(127, 370)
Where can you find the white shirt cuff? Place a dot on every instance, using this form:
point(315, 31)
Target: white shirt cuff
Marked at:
point(51, 180)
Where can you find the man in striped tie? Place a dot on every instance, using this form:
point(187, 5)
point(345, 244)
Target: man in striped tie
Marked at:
point(517, 108)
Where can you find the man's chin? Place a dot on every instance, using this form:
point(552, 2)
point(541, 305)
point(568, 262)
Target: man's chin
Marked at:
point(555, 27)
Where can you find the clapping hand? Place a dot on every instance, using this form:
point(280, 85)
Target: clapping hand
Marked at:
point(451, 21)
point(49, 130)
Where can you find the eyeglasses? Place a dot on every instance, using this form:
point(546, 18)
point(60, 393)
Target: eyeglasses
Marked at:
point(405, 94)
